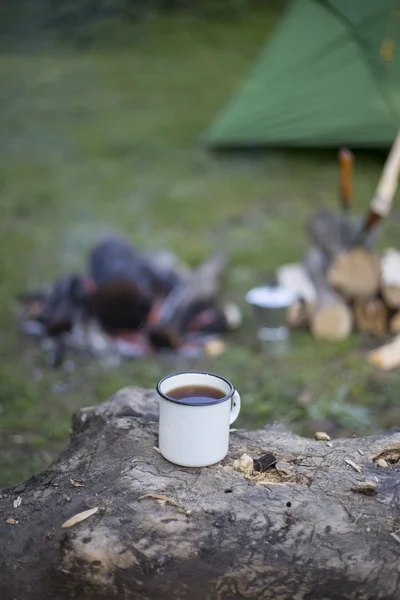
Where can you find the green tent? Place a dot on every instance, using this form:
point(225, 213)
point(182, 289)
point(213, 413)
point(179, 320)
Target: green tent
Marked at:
point(330, 76)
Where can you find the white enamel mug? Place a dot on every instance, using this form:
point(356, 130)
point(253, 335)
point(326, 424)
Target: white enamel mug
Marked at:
point(196, 435)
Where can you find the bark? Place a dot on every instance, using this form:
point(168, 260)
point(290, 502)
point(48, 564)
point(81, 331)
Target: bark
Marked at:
point(303, 534)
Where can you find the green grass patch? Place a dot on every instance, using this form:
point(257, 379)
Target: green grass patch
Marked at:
point(107, 139)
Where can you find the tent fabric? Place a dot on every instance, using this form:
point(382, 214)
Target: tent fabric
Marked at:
point(330, 76)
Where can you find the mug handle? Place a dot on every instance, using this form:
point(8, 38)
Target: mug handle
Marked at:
point(235, 407)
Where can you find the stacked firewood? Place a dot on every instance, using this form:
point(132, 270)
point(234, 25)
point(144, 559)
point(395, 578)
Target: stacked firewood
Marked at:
point(357, 289)
point(343, 283)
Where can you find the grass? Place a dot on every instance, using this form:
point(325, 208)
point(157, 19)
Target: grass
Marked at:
point(106, 139)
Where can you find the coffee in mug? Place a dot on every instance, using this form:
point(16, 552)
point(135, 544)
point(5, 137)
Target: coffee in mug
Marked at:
point(196, 411)
point(196, 394)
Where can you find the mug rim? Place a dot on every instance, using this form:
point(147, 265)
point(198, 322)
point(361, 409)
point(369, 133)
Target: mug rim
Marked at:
point(212, 401)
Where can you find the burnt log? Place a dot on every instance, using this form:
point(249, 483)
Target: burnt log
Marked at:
point(319, 522)
point(115, 259)
point(127, 282)
point(193, 295)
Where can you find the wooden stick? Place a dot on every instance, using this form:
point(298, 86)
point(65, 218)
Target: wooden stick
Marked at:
point(346, 160)
point(383, 198)
point(388, 356)
point(382, 201)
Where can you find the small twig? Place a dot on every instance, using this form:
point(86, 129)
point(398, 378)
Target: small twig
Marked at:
point(160, 498)
point(80, 517)
point(77, 483)
point(395, 536)
point(353, 465)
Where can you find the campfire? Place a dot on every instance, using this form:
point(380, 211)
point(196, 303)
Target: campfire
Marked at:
point(133, 304)
point(343, 282)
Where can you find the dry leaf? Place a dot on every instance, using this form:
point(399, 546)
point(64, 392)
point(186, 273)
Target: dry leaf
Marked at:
point(353, 465)
point(245, 465)
point(265, 462)
point(365, 487)
point(80, 517)
point(214, 348)
point(77, 483)
point(163, 499)
point(381, 462)
point(322, 436)
point(11, 521)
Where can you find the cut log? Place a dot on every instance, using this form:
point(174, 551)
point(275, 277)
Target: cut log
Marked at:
point(332, 321)
point(391, 277)
point(391, 295)
point(297, 315)
point(394, 326)
point(356, 274)
point(331, 318)
point(386, 357)
point(217, 533)
point(371, 315)
point(295, 279)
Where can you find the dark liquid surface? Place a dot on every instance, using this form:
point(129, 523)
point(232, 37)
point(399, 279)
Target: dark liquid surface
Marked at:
point(196, 394)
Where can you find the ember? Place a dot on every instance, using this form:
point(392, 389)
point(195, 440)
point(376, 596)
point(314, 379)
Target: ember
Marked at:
point(133, 304)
